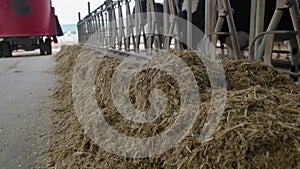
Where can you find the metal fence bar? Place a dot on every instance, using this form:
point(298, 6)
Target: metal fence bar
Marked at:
point(111, 31)
point(189, 25)
point(105, 28)
point(121, 37)
point(210, 16)
point(259, 23)
point(129, 27)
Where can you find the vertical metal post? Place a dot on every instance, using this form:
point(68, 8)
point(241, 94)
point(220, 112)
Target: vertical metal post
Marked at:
point(149, 24)
point(253, 22)
point(99, 36)
point(152, 26)
point(171, 27)
point(96, 30)
point(209, 16)
point(220, 21)
point(225, 11)
point(79, 32)
point(121, 35)
point(166, 24)
point(232, 30)
point(88, 28)
point(269, 49)
point(189, 25)
point(79, 16)
point(112, 23)
point(94, 26)
point(259, 23)
point(91, 28)
point(138, 25)
point(102, 29)
point(89, 7)
point(295, 15)
point(129, 27)
point(106, 31)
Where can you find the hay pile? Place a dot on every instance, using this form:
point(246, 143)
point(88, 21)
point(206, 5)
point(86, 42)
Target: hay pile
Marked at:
point(260, 127)
point(243, 74)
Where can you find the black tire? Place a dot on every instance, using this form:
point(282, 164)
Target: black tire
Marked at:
point(48, 46)
point(42, 47)
point(6, 49)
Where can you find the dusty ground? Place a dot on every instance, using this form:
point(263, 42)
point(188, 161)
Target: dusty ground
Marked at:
point(25, 82)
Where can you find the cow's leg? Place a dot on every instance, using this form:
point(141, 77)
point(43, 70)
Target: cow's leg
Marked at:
point(222, 46)
point(230, 53)
point(295, 53)
point(182, 26)
point(288, 46)
point(243, 40)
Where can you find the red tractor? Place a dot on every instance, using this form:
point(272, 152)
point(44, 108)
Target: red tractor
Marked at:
point(27, 25)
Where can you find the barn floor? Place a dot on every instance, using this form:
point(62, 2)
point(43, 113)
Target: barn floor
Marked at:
point(25, 83)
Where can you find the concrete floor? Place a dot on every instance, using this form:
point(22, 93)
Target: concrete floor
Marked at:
point(25, 84)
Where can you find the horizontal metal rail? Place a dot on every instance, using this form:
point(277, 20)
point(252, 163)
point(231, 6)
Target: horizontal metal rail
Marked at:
point(261, 35)
point(126, 53)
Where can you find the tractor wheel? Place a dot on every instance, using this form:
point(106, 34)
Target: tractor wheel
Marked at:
point(48, 46)
point(6, 49)
point(42, 47)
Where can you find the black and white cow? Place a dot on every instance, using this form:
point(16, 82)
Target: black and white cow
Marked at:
point(158, 9)
point(241, 15)
point(242, 18)
point(198, 11)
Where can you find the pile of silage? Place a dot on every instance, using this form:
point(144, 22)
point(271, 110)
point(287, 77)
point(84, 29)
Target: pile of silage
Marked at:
point(260, 127)
point(243, 74)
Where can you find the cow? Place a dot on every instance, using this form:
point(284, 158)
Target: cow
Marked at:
point(241, 15)
point(158, 9)
point(242, 8)
point(198, 9)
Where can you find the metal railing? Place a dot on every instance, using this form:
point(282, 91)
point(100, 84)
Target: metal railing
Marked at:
point(116, 25)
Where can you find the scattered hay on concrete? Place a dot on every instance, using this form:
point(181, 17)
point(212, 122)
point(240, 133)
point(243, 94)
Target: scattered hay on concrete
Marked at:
point(260, 127)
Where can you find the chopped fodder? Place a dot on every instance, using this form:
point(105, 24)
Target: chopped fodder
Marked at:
point(66, 59)
point(139, 92)
point(240, 74)
point(243, 74)
point(260, 126)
